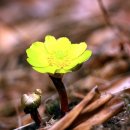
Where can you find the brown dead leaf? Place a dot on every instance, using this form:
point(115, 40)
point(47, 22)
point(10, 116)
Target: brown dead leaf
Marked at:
point(118, 86)
point(97, 103)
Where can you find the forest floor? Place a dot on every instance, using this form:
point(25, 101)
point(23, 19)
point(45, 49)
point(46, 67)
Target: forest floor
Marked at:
point(106, 29)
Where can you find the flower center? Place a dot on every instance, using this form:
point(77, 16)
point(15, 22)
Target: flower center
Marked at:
point(59, 62)
point(59, 55)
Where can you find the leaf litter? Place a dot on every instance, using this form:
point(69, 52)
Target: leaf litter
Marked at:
point(109, 68)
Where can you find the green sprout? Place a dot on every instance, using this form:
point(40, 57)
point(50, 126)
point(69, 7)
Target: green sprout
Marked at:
point(57, 56)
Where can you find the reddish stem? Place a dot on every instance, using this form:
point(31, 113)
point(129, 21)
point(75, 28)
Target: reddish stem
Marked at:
point(36, 117)
point(62, 94)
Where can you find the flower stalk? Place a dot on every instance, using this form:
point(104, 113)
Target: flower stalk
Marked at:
point(62, 94)
point(36, 117)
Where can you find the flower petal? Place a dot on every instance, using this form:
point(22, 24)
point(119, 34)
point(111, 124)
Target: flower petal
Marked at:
point(77, 49)
point(85, 56)
point(37, 55)
point(71, 66)
point(49, 69)
point(63, 44)
point(62, 48)
point(50, 43)
point(59, 48)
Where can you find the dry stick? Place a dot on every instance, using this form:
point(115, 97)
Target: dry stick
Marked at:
point(121, 34)
point(69, 118)
point(105, 14)
point(97, 103)
point(120, 85)
point(101, 116)
point(91, 107)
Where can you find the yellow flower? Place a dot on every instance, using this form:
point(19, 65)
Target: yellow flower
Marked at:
point(57, 55)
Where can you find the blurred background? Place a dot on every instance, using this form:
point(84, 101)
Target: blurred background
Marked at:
point(25, 21)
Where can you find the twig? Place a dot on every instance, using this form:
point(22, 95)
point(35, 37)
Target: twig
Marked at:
point(121, 34)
